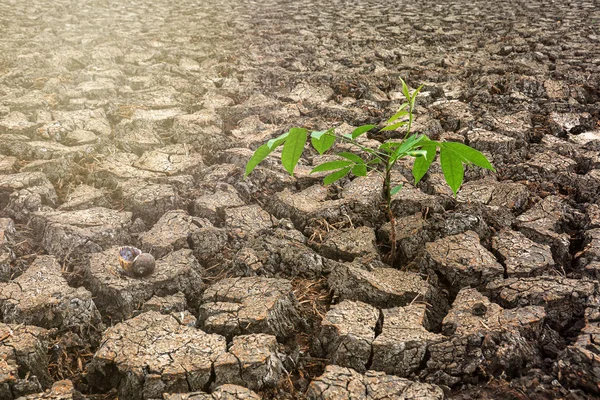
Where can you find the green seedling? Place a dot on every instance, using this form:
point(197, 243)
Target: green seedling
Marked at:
point(453, 155)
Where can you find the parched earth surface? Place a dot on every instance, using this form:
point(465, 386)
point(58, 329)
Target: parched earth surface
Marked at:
point(130, 123)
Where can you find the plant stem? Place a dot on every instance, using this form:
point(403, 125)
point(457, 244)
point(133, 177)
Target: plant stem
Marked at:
point(387, 187)
point(410, 119)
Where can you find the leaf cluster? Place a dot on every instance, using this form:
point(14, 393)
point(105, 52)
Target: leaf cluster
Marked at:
point(453, 156)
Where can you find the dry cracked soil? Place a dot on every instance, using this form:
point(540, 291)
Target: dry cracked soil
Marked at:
point(130, 123)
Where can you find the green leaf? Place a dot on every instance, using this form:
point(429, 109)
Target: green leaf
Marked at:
point(278, 141)
point(361, 130)
point(393, 127)
point(405, 90)
point(407, 145)
point(336, 175)
point(260, 154)
point(469, 154)
point(452, 167)
point(414, 97)
point(359, 170)
point(396, 189)
point(293, 148)
point(417, 153)
point(400, 113)
point(416, 92)
point(319, 134)
point(331, 165)
point(352, 157)
point(422, 164)
point(322, 140)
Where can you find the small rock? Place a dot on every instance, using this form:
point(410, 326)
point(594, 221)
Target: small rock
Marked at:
point(453, 114)
point(150, 201)
point(202, 130)
point(339, 383)
point(557, 90)
point(138, 136)
point(7, 164)
point(588, 186)
point(347, 334)
point(84, 197)
point(80, 137)
point(410, 200)
point(562, 124)
point(361, 199)
point(306, 92)
point(348, 244)
point(579, 364)
point(491, 341)
point(151, 354)
point(223, 392)
point(306, 206)
point(17, 123)
point(544, 166)
point(167, 304)
point(25, 193)
point(252, 361)
point(171, 160)
point(66, 122)
point(76, 233)
point(100, 89)
point(513, 196)
point(207, 242)
point(116, 169)
point(385, 288)
point(516, 125)
point(61, 390)
point(24, 149)
point(23, 348)
point(593, 215)
point(279, 252)
point(162, 117)
point(251, 132)
point(401, 347)
point(589, 139)
point(521, 256)
point(247, 221)
point(463, 261)
point(563, 299)
point(588, 259)
point(56, 170)
point(213, 206)
point(214, 100)
point(542, 224)
point(492, 142)
point(41, 296)
point(236, 306)
point(172, 232)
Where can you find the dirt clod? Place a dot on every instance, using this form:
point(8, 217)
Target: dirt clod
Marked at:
point(237, 306)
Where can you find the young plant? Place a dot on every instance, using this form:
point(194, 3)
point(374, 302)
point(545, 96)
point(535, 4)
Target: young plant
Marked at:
point(453, 155)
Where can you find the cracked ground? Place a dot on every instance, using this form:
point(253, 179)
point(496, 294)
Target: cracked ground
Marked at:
point(130, 123)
